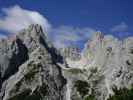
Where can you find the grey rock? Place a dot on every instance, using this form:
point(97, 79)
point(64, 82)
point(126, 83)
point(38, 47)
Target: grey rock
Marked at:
point(31, 68)
point(106, 62)
point(28, 68)
point(72, 53)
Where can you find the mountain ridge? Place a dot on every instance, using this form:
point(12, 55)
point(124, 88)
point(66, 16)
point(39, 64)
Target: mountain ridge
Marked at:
point(40, 54)
point(31, 68)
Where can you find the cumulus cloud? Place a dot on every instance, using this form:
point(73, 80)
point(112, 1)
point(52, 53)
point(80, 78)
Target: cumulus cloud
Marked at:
point(122, 27)
point(17, 18)
point(64, 36)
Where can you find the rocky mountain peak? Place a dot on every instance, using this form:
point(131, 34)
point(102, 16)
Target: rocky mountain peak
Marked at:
point(16, 51)
point(31, 36)
point(32, 69)
point(28, 63)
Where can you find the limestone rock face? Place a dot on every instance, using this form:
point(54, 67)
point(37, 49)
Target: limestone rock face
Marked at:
point(28, 68)
point(13, 53)
point(32, 69)
point(71, 53)
point(106, 63)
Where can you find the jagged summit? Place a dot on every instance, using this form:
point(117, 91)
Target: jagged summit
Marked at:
point(32, 36)
point(106, 62)
point(28, 66)
point(16, 50)
point(32, 69)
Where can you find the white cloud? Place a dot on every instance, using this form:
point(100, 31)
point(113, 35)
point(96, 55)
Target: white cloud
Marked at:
point(18, 18)
point(122, 27)
point(66, 35)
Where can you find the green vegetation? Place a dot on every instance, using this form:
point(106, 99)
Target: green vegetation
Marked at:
point(30, 75)
point(21, 96)
point(82, 87)
point(94, 70)
point(39, 94)
point(33, 69)
point(122, 94)
point(90, 97)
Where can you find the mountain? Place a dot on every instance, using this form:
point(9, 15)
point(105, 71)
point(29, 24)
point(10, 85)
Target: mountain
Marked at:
point(72, 53)
point(28, 67)
point(31, 68)
point(106, 65)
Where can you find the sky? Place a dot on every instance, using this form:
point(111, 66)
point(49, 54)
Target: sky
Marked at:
point(68, 22)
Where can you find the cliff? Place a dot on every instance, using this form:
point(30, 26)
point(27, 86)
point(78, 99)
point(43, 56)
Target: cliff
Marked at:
point(31, 68)
point(28, 67)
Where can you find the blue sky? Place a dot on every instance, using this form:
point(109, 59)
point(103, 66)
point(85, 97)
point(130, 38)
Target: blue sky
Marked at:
point(109, 16)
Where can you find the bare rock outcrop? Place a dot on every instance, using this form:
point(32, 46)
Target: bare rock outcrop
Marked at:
point(28, 68)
